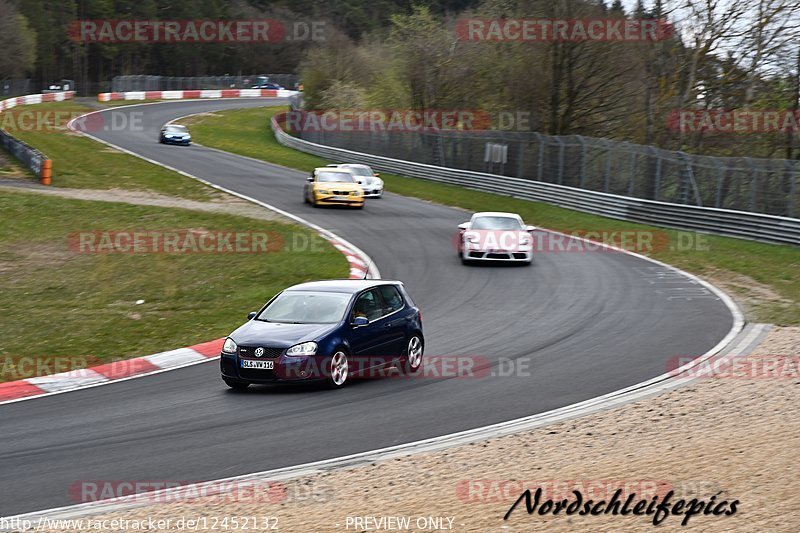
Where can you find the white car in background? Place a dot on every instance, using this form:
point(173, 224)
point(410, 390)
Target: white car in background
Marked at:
point(370, 181)
point(495, 236)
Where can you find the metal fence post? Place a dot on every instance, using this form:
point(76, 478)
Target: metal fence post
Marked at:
point(631, 169)
point(753, 183)
point(607, 177)
point(790, 205)
point(560, 160)
point(720, 179)
point(686, 178)
point(541, 156)
point(584, 156)
point(657, 178)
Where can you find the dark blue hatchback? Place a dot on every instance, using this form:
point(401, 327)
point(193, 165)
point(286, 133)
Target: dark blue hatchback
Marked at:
point(326, 331)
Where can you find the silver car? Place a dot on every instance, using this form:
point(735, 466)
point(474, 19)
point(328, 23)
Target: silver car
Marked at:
point(495, 236)
point(174, 134)
point(370, 181)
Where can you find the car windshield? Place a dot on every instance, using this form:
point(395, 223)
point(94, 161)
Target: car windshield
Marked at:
point(334, 177)
point(306, 307)
point(498, 223)
point(176, 129)
point(360, 171)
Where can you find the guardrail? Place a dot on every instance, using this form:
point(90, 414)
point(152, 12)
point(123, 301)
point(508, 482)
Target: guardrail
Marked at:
point(193, 94)
point(36, 161)
point(139, 82)
point(740, 224)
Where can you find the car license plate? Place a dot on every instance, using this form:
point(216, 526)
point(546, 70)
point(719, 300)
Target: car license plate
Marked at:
point(340, 198)
point(261, 365)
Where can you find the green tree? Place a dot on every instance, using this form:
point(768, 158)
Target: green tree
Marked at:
point(18, 42)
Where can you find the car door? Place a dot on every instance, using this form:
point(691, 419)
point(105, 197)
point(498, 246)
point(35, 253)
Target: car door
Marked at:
point(369, 343)
point(395, 320)
point(308, 188)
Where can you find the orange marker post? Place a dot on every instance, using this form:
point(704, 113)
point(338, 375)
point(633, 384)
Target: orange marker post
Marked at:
point(47, 171)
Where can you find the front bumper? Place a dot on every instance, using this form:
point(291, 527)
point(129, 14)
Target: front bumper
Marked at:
point(498, 255)
point(185, 142)
point(330, 199)
point(285, 370)
point(373, 193)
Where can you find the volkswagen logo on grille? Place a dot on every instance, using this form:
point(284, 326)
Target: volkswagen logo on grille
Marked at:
point(259, 352)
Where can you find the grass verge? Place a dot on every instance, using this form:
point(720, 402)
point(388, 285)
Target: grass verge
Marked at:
point(59, 302)
point(63, 309)
point(81, 163)
point(763, 277)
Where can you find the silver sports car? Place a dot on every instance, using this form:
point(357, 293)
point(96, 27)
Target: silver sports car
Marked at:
point(494, 236)
point(369, 180)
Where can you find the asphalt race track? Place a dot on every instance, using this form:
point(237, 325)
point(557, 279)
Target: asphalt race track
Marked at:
point(586, 323)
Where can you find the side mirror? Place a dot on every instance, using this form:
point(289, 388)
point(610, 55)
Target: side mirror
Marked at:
point(251, 315)
point(310, 179)
point(463, 226)
point(530, 229)
point(377, 174)
point(360, 321)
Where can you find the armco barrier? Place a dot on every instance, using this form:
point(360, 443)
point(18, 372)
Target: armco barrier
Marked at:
point(28, 156)
point(185, 95)
point(32, 158)
point(754, 226)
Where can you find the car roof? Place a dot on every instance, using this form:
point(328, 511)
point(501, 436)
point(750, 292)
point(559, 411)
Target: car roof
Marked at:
point(351, 286)
point(346, 165)
point(333, 169)
point(496, 214)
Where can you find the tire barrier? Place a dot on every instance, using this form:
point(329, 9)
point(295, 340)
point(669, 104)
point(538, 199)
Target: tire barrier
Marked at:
point(33, 159)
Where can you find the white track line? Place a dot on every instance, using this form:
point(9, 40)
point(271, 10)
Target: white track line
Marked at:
point(180, 357)
point(641, 390)
point(753, 335)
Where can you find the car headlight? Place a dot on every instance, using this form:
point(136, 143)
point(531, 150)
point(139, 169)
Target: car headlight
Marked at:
point(305, 348)
point(322, 191)
point(471, 238)
point(229, 346)
point(356, 193)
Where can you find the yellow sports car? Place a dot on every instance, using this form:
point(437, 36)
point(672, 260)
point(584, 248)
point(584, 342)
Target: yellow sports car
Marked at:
point(333, 186)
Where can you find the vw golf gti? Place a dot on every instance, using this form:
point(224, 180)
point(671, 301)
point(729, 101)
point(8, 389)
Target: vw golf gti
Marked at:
point(326, 331)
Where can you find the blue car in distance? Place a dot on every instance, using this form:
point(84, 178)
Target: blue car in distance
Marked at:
point(326, 331)
point(175, 134)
